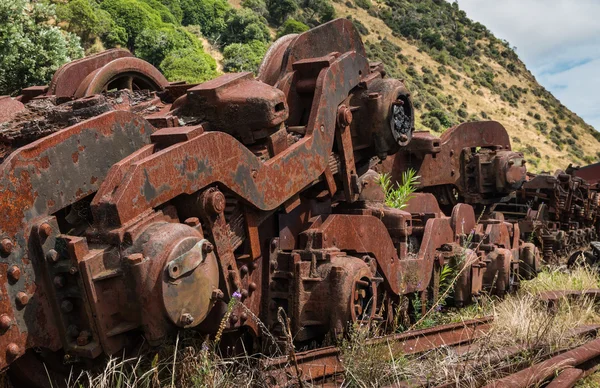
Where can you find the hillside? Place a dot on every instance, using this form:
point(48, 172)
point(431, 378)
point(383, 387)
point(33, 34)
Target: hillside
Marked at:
point(490, 83)
point(455, 68)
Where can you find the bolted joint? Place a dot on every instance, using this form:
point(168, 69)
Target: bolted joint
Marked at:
point(215, 202)
point(6, 246)
point(83, 338)
point(22, 299)
point(207, 247)
point(14, 273)
point(186, 319)
point(52, 256)
point(45, 230)
point(344, 116)
point(217, 294)
point(5, 322)
point(13, 350)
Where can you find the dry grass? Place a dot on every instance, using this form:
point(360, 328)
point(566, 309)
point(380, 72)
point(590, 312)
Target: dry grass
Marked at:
point(521, 322)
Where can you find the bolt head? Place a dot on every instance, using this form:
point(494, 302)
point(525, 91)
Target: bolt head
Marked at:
point(207, 248)
point(217, 294)
point(233, 319)
point(5, 322)
point(6, 246)
point(52, 256)
point(243, 317)
point(22, 298)
point(216, 202)
point(73, 270)
point(66, 306)
point(59, 281)
point(252, 287)
point(243, 270)
point(14, 273)
point(83, 338)
point(244, 294)
point(187, 319)
point(13, 350)
point(45, 230)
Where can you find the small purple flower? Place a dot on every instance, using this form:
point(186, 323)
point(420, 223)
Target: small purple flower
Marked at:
point(237, 295)
point(438, 308)
point(472, 231)
point(204, 347)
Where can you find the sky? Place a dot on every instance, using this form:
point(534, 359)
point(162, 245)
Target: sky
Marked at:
point(559, 41)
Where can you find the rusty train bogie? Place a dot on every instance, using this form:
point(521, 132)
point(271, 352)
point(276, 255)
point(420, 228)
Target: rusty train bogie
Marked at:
point(147, 211)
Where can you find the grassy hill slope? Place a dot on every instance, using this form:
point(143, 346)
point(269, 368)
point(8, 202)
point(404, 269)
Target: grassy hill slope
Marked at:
point(491, 83)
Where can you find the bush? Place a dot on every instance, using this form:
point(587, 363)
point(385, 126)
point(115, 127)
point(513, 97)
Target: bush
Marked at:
point(208, 14)
point(154, 45)
point(30, 49)
point(191, 65)
point(365, 4)
point(292, 26)
point(280, 10)
point(133, 16)
point(257, 6)
point(243, 57)
point(244, 26)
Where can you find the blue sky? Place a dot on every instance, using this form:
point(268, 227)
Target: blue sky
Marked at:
point(559, 41)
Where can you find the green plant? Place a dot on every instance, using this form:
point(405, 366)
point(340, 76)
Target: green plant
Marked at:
point(153, 45)
point(397, 196)
point(243, 57)
point(191, 65)
point(244, 26)
point(31, 50)
point(291, 26)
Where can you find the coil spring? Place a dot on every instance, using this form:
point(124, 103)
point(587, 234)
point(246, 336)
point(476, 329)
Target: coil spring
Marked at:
point(548, 244)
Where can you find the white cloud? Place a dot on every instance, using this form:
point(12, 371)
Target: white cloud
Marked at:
point(559, 41)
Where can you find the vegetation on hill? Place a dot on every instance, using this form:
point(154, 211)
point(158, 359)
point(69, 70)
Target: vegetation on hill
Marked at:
point(455, 67)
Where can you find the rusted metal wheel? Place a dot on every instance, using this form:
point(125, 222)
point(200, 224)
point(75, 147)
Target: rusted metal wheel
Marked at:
point(122, 73)
point(364, 299)
point(272, 64)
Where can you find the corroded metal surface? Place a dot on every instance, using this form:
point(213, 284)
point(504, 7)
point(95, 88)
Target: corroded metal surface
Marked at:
point(147, 211)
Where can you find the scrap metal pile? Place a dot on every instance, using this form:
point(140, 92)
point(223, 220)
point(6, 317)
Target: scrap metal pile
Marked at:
point(133, 205)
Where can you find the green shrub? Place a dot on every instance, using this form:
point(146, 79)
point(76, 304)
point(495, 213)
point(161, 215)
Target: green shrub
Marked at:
point(208, 14)
point(244, 26)
point(31, 50)
point(154, 45)
point(243, 57)
point(133, 16)
point(292, 26)
point(257, 6)
point(366, 4)
point(191, 65)
point(280, 10)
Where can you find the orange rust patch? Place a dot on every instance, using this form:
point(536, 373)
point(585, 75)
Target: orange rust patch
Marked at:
point(75, 157)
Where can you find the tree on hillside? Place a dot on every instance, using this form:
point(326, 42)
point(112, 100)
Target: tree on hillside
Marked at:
point(244, 26)
point(243, 57)
point(292, 26)
point(31, 49)
point(208, 14)
point(86, 19)
point(279, 10)
point(134, 16)
point(154, 45)
point(257, 6)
